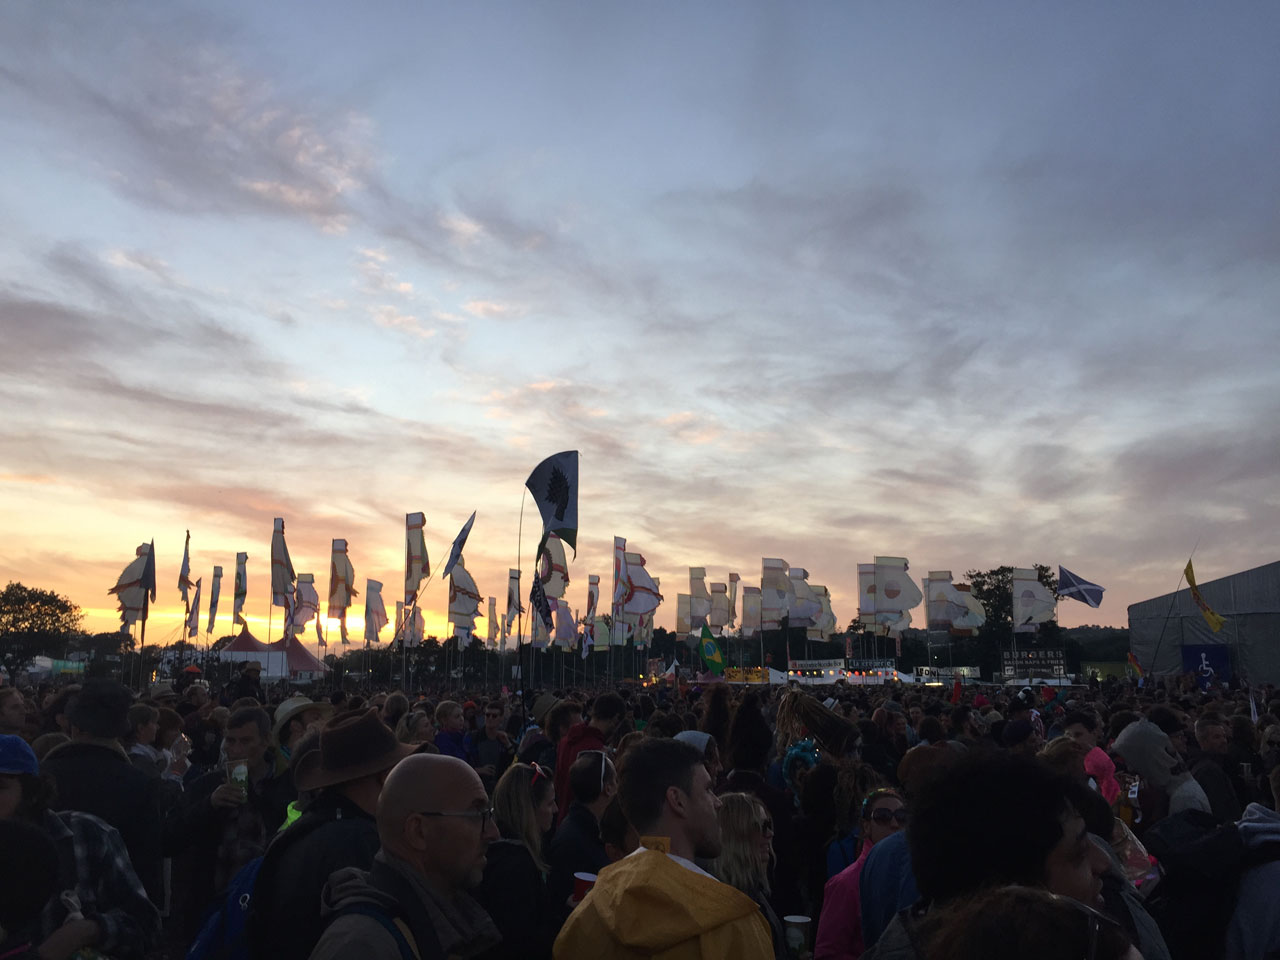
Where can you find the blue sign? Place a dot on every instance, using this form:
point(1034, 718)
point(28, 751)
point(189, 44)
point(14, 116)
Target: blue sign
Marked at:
point(1210, 662)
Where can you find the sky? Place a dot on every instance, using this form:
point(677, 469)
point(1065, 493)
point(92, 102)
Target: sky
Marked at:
point(973, 284)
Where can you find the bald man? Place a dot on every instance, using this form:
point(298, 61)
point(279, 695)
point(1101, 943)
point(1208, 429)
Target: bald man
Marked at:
point(434, 825)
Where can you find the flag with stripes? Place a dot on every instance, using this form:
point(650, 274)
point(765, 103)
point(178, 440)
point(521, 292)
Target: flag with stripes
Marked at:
point(1077, 588)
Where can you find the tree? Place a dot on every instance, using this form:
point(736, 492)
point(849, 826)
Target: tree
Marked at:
point(33, 623)
point(994, 590)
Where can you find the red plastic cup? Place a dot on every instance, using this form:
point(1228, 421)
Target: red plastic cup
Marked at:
point(582, 882)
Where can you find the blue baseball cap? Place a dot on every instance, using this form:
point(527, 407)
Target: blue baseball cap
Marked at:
point(16, 756)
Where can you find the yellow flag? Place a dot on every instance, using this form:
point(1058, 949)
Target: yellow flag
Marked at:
point(1214, 621)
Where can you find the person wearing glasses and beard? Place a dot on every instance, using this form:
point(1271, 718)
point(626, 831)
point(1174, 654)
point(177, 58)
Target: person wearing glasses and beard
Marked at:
point(514, 889)
point(435, 828)
point(840, 925)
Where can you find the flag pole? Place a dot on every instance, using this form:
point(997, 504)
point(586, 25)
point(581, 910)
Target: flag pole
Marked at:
point(1172, 601)
point(524, 690)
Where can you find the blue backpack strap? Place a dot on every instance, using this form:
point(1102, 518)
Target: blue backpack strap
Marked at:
point(387, 923)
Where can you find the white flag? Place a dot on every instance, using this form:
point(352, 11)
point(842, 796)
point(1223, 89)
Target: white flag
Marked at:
point(375, 611)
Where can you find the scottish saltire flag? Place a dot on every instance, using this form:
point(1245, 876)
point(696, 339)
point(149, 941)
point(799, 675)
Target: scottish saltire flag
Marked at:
point(711, 652)
point(1077, 588)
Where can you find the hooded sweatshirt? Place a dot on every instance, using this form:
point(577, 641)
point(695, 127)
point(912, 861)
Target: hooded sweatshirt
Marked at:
point(1149, 753)
point(648, 905)
point(1254, 930)
point(580, 737)
point(434, 928)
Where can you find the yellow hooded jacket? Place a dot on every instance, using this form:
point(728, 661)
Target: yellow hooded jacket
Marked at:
point(648, 906)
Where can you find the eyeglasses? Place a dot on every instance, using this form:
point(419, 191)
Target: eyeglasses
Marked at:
point(883, 815)
point(485, 815)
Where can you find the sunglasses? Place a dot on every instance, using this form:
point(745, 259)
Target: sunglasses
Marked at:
point(883, 815)
point(538, 773)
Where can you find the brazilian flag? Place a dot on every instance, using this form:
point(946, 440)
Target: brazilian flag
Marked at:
point(711, 653)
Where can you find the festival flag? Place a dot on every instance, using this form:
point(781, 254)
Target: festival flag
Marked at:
point(951, 606)
point(492, 623)
point(464, 601)
point(411, 625)
point(733, 599)
point(719, 616)
point(538, 603)
point(306, 605)
point(342, 578)
point(750, 611)
point(1032, 601)
point(683, 627)
point(1077, 588)
point(644, 629)
point(1214, 621)
point(805, 605)
point(554, 485)
point(895, 595)
point(699, 598)
point(618, 635)
point(282, 575)
point(460, 541)
point(711, 654)
point(775, 593)
point(642, 594)
point(589, 622)
point(553, 569)
point(514, 607)
point(184, 572)
point(133, 586)
point(824, 624)
point(375, 611)
point(1137, 667)
point(565, 632)
point(416, 565)
point(193, 615)
point(241, 590)
point(214, 590)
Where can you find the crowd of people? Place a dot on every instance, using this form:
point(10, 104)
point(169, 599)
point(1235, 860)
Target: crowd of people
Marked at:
point(1105, 821)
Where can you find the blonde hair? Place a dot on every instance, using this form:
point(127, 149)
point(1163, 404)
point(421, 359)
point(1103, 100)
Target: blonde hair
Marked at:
point(741, 816)
point(515, 802)
point(409, 723)
point(446, 708)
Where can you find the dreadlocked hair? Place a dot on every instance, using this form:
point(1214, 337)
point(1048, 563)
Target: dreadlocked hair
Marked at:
point(800, 716)
point(855, 781)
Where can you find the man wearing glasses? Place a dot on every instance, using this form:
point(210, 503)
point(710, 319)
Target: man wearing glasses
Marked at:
point(435, 826)
point(491, 749)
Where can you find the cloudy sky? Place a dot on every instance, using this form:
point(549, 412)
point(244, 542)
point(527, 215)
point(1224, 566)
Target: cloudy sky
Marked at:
point(972, 284)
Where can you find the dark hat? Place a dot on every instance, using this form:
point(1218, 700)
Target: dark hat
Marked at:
point(352, 745)
point(16, 756)
point(101, 708)
point(1016, 732)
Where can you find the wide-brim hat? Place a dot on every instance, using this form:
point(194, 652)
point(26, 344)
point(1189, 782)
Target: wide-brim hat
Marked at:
point(542, 706)
point(352, 745)
point(251, 665)
point(161, 689)
point(296, 705)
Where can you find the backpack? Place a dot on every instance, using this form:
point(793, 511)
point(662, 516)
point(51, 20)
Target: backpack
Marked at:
point(1202, 861)
point(393, 925)
point(224, 935)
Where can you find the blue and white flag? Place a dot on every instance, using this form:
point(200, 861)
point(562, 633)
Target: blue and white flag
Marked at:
point(460, 541)
point(1069, 585)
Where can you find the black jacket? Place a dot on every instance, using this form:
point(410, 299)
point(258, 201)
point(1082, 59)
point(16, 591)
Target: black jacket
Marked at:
point(576, 847)
point(284, 915)
point(514, 895)
point(99, 779)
